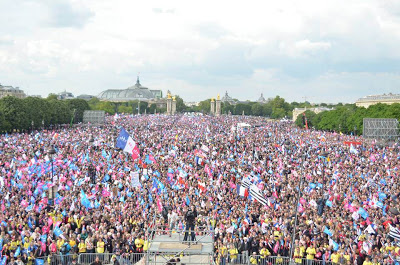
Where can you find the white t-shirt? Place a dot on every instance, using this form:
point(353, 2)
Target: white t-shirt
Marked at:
point(172, 217)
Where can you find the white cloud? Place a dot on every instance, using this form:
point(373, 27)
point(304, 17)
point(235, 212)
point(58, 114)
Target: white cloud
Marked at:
point(287, 47)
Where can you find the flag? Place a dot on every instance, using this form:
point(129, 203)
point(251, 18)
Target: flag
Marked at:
point(17, 252)
point(353, 150)
point(187, 200)
point(39, 261)
point(394, 233)
point(246, 183)
point(84, 200)
point(363, 213)
point(202, 186)
point(370, 229)
point(257, 195)
point(327, 231)
point(3, 260)
point(57, 231)
point(126, 143)
point(334, 244)
point(159, 204)
point(242, 191)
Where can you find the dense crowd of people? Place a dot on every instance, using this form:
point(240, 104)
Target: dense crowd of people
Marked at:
point(246, 183)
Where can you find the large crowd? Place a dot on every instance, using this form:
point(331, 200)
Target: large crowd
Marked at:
point(88, 198)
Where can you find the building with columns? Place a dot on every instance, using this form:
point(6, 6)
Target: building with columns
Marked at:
point(375, 99)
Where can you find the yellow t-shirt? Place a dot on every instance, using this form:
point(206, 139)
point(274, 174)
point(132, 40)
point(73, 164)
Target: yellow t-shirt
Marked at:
point(233, 253)
point(139, 243)
point(264, 253)
point(302, 250)
point(72, 243)
point(100, 247)
point(335, 258)
point(297, 256)
point(253, 260)
point(222, 251)
point(82, 247)
point(310, 252)
point(59, 243)
point(367, 263)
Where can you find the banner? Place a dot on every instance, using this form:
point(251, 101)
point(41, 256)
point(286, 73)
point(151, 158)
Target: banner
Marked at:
point(135, 182)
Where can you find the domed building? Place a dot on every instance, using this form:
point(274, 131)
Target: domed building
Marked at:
point(136, 92)
point(228, 99)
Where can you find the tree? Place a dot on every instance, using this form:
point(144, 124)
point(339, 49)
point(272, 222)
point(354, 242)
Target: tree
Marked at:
point(180, 105)
point(241, 108)
point(52, 96)
point(257, 109)
point(204, 106)
point(14, 113)
point(80, 105)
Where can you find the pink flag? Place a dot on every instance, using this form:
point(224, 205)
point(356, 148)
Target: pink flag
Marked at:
point(106, 193)
point(50, 221)
point(151, 158)
point(43, 246)
point(276, 247)
point(302, 201)
point(24, 203)
point(159, 205)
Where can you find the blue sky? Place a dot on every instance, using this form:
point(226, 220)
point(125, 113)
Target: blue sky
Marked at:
point(325, 51)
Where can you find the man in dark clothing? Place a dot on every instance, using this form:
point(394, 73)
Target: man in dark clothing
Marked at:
point(190, 218)
point(96, 262)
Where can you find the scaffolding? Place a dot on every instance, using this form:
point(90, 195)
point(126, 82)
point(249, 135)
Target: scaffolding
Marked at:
point(386, 129)
point(165, 245)
point(96, 117)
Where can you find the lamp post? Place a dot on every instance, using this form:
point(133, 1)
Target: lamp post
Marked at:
point(355, 130)
point(297, 210)
point(32, 123)
point(51, 152)
point(91, 168)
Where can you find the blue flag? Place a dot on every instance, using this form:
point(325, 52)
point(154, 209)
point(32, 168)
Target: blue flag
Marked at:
point(122, 139)
point(187, 200)
point(57, 231)
point(327, 231)
point(39, 261)
point(84, 200)
point(363, 213)
point(43, 238)
point(17, 252)
point(3, 260)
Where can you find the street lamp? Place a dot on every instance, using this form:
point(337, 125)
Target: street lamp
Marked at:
point(32, 123)
point(51, 152)
point(297, 210)
point(91, 169)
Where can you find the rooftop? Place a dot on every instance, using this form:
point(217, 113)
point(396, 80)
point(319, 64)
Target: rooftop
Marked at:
point(389, 96)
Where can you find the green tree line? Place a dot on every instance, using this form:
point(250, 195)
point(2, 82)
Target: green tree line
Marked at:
point(275, 108)
point(348, 118)
point(35, 113)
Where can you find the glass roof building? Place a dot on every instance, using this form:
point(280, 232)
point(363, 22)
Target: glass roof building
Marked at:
point(136, 92)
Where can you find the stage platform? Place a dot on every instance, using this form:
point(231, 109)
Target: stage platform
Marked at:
point(174, 244)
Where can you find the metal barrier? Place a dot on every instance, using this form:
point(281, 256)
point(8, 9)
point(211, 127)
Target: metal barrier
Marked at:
point(144, 258)
point(268, 260)
point(60, 259)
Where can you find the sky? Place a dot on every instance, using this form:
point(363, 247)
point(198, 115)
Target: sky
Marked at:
point(314, 50)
